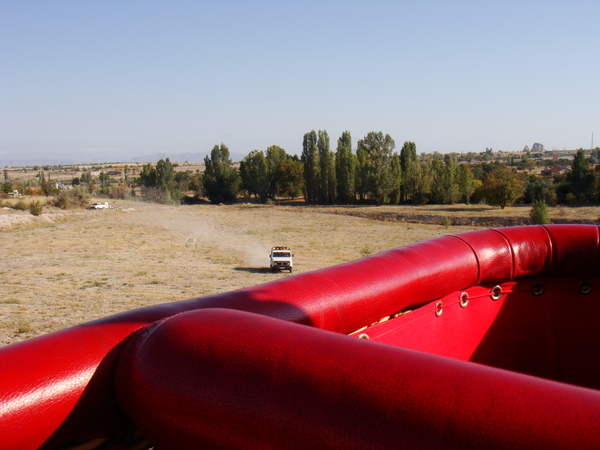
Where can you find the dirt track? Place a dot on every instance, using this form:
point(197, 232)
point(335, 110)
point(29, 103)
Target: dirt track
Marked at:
point(63, 269)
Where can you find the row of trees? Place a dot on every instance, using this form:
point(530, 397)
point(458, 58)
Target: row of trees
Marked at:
point(374, 173)
point(264, 176)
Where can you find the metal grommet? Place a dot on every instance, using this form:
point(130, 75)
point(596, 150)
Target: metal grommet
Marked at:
point(464, 299)
point(438, 308)
point(537, 288)
point(585, 287)
point(364, 336)
point(496, 293)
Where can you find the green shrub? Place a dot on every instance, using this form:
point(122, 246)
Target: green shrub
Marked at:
point(35, 207)
point(539, 214)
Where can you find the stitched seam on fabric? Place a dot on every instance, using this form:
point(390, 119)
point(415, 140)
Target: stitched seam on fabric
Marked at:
point(512, 252)
point(552, 247)
point(476, 257)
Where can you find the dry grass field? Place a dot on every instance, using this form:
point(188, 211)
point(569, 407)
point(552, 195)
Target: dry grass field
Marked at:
point(65, 268)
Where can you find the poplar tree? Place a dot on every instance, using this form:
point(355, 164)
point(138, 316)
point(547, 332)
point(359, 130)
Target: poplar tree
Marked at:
point(452, 194)
point(310, 160)
point(423, 182)
point(331, 192)
point(326, 169)
point(444, 186)
point(363, 170)
point(410, 172)
point(345, 168)
point(396, 194)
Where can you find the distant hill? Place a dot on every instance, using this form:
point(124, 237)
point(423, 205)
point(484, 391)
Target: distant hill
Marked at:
point(109, 158)
point(182, 157)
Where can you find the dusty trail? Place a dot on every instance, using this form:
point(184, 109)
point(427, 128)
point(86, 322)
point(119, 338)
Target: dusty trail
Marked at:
point(198, 229)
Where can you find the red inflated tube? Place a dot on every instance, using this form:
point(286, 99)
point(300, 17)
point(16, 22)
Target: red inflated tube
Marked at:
point(219, 378)
point(56, 390)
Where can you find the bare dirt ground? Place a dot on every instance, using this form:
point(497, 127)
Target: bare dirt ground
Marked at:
point(65, 268)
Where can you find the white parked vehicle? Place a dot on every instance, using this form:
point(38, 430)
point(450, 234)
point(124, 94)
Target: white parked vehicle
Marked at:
point(281, 259)
point(100, 205)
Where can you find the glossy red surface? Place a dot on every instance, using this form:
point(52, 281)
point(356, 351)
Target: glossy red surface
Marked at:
point(518, 371)
point(280, 385)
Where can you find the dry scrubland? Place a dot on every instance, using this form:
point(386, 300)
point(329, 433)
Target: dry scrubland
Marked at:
point(65, 268)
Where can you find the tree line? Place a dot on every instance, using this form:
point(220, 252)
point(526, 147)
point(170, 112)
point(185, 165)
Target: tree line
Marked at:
point(371, 172)
point(376, 173)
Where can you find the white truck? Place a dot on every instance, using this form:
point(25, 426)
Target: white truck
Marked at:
point(281, 259)
point(100, 205)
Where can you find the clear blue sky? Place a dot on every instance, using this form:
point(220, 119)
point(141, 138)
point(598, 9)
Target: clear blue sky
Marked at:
point(140, 77)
